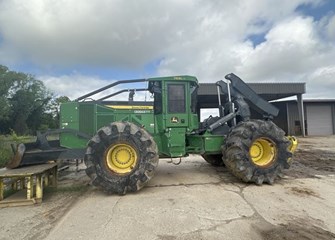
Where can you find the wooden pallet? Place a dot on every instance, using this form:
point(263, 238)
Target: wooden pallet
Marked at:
point(27, 182)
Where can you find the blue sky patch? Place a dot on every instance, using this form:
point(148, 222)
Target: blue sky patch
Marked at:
point(105, 73)
point(317, 11)
point(257, 39)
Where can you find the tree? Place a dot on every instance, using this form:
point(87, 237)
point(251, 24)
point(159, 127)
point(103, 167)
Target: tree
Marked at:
point(6, 82)
point(28, 100)
point(51, 117)
point(24, 101)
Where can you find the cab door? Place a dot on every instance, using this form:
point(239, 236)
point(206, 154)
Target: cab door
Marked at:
point(176, 99)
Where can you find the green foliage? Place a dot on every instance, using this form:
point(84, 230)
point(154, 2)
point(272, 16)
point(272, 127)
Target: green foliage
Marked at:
point(6, 81)
point(5, 149)
point(6, 152)
point(54, 108)
point(14, 138)
point(26, 104)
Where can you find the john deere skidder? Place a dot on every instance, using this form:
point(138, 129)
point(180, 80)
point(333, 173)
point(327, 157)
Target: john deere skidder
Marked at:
point(121, 142)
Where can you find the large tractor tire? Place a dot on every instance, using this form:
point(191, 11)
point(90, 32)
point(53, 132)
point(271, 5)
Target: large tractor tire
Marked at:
point(121, 158)
point(215, 160)
point(257, 151)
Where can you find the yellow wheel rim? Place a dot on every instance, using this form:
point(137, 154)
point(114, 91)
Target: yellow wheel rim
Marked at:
point(121, 158)
point(263, 152)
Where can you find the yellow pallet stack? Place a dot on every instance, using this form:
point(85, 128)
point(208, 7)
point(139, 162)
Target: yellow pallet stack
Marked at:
point(28, 183)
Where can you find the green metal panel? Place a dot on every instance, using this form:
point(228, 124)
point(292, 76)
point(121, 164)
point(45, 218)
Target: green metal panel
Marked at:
point(141, 117)
point(194, 122)
point(69, 115)
point(87, 121)
point(172, 142)
point(184, 78)
point(207, 143)
point(213, 143)
point(195, 144)
point(69, 118)
point(88, 117)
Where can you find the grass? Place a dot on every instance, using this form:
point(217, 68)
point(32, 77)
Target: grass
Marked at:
point(8, 192)
point(6, 152)
point(49, 189)
point(74, 188)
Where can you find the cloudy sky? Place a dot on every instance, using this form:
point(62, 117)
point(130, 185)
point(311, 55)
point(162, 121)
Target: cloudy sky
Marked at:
point(77, 46)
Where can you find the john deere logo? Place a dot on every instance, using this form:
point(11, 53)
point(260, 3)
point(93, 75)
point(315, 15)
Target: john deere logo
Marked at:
point(174, 120)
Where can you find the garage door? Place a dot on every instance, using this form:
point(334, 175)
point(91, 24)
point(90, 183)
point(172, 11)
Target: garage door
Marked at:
point(319, 120)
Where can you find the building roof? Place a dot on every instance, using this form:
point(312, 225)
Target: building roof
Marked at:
point(269, 91)
point(315, 100)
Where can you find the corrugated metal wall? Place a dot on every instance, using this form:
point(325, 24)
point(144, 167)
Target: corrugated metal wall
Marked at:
point(293, 125)
point(281, 119)
point(319, 119)
point(293, 119)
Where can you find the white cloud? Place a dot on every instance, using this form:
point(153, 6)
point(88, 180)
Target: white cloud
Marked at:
point(289, 49)
point(73, 86)
point(321, 82)
point(104, 33)
point(127, 33)
point(76, 85)
point(207, 39)
point(294, 51)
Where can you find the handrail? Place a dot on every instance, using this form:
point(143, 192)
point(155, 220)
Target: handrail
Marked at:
point(122, 91)
point(109, 86)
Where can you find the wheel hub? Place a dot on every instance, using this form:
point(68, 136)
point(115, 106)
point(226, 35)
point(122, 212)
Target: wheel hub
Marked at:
point(263, 152)
point(121, 158)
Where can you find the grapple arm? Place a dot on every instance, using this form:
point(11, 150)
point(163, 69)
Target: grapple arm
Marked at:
point(239, 89)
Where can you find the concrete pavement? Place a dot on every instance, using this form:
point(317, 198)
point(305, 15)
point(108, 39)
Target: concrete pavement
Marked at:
point(197, 201)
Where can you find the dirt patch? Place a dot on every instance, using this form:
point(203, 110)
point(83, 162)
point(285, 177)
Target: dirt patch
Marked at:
point(35, 222)
point(299, 229)
point(320, 160)
point(315, 156)
point(303, 192)
point(62, 203)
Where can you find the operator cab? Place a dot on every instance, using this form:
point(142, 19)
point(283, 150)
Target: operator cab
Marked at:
point(175, 111)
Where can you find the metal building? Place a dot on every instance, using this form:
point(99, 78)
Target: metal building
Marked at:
point(319, 115)
point(208, 98)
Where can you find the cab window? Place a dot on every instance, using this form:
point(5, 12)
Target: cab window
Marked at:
point(176, 98)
